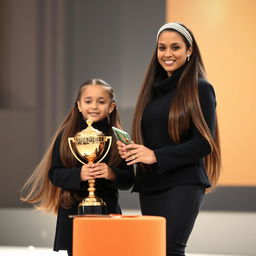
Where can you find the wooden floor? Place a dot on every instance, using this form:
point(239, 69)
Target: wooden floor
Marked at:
point(32, 251)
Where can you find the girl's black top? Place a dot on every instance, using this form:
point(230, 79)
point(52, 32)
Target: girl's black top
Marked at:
point(69, 179)
point(176, 163)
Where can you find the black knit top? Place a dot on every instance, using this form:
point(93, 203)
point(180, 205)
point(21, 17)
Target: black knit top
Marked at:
point(69, 179)
point(176, 163)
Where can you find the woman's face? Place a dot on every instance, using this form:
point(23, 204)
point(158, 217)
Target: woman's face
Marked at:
point(171, 51)
point(95, 102)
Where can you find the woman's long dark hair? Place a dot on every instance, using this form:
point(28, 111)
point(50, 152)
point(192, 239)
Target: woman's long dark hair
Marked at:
point(185, 107)
point(41, 192)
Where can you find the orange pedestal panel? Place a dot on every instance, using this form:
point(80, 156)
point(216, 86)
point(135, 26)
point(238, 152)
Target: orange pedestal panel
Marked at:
point(119, 236)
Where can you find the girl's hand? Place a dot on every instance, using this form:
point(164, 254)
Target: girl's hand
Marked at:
point(101, 170)
point(86, 172)
point(96, 170)
point(135, 153)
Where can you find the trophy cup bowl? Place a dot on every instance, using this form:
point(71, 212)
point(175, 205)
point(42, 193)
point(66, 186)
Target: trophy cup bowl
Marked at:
point(90, 145)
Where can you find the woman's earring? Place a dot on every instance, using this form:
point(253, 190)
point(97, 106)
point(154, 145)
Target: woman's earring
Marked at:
point(188, 58)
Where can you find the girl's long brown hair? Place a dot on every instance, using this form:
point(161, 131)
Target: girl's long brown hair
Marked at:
point(40, 191)
point(185, 107)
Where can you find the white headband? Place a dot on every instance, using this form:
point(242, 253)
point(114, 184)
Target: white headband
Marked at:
point(177, 27)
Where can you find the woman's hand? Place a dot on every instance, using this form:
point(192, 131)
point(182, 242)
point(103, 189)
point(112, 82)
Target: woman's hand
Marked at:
point(96, 170)
point(121, 148)
point(135, 153)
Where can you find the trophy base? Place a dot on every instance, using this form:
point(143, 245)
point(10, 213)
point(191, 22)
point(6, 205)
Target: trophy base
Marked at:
point(95, 209)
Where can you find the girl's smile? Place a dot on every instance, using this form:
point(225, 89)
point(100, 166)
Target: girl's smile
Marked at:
point(95, 102)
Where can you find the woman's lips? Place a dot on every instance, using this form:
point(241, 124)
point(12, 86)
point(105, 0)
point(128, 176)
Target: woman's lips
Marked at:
point(169, 62)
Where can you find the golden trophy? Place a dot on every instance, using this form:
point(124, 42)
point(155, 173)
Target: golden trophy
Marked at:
point(90, 144)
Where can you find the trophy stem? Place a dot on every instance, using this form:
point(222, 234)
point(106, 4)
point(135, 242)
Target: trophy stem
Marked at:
point(92, 204)
point(91, 188)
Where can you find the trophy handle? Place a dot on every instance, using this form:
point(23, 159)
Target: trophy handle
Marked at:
point(109, 145)
point(70, 146)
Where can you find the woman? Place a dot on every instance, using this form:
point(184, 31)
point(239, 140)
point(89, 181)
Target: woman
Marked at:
point(176, 135)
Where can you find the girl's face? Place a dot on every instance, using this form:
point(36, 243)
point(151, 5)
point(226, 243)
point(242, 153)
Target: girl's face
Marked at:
point(95, 102)
point(171, 51)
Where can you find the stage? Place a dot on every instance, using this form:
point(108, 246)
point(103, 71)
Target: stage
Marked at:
point(39, 251)
point(215, 233)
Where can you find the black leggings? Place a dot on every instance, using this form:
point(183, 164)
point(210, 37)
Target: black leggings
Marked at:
point(180, 206)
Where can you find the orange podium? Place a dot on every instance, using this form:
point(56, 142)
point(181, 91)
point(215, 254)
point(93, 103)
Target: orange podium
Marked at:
point(119, 235)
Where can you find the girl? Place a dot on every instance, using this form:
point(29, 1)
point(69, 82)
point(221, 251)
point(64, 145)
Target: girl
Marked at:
point(60, 181)
point(176, 135)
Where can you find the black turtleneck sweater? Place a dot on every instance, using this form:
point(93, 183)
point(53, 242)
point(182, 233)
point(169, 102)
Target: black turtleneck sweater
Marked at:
point(176, 163)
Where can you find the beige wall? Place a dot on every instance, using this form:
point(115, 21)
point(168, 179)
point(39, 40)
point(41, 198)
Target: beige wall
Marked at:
point(226, 34)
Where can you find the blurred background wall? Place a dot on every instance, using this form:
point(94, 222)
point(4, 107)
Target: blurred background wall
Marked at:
point(48, 48)
point(225, 31)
